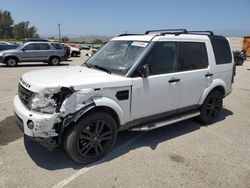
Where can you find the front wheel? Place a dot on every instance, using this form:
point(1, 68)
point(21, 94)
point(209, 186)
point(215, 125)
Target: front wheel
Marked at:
point(211, 107)
point(91, 138)
point(11, 62)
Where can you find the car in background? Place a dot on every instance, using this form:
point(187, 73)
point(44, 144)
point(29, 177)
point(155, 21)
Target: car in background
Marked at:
point(66, 50)
point(7, 46)
point(239, 57)
point(75, 46)
point(93, 50)
point(84, 47)
point(74, 51)
point(52, 53)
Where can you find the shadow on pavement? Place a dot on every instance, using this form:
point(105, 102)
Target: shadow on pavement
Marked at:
point(64, 63)
point(9, 131)
point(57, 159)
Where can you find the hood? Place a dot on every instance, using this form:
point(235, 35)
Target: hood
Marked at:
point(78, 77)
point(8, 51)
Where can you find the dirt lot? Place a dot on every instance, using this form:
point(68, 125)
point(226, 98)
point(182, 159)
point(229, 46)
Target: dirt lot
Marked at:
point(184, 154)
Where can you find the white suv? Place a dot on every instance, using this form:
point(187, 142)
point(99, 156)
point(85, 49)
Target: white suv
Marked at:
point(135, 82)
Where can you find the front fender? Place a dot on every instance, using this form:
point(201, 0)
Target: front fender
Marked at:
point(215, 83)
point(105, 101)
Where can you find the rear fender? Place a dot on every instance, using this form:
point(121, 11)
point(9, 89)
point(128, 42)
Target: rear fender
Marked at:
point(214, 84)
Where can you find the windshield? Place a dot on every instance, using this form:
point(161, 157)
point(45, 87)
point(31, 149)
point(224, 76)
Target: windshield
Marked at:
point(19, 47)
point(118, 56)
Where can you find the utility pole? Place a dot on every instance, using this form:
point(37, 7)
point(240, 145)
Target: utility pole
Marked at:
point(59, 30)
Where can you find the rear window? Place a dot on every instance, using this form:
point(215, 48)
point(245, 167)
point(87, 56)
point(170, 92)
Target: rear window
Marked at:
point(221, 49)
point(192, 56)
point(57, 46)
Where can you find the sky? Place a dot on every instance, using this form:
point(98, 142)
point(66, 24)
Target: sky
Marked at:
point(113, 17)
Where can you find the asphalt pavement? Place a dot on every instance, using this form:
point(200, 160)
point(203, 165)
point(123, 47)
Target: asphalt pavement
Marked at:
point(185, 154)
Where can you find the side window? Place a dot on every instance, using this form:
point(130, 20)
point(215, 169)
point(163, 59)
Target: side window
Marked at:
point(192, 56)
point(221, 48)
point(57, 46)
point(161, 58)
point(43, 46)
point(30, 47)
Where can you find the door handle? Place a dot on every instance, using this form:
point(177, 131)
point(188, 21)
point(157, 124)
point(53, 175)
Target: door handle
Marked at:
point(209, 75)
point(174, 80)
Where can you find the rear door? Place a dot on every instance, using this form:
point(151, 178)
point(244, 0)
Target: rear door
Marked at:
point(194, 72)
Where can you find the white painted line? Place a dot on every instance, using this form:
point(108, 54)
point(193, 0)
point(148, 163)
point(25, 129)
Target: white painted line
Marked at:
point(86, 169)
point(6, 101)
point(71, 178)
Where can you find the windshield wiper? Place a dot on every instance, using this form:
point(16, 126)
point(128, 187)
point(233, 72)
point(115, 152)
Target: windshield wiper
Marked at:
point(87, 65)
point(101, 68)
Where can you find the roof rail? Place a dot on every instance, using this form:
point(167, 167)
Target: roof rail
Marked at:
point(202, 32)
point(167, 31)
point(128, 34)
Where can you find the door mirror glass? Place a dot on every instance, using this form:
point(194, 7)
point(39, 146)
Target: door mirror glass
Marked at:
point(144, 71)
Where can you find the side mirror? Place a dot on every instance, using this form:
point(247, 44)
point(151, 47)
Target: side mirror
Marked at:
point(23, 49)
point(144, 71)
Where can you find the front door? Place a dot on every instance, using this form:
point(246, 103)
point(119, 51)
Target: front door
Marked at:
point(159, 93)
point(28, 52)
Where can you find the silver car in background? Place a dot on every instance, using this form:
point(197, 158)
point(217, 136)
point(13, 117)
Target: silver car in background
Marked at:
point(52, 53)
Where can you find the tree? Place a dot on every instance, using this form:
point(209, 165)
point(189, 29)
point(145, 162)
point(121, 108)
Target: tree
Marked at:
point(22, 30)
point(6, 23)
point(65, 39)
point(97, 41)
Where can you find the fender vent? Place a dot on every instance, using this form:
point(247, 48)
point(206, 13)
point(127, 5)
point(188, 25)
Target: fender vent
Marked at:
point(122, 95)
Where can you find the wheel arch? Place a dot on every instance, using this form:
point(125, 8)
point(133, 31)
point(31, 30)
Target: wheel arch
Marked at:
point(216, 85)
point(54, 56)
point(9, 56)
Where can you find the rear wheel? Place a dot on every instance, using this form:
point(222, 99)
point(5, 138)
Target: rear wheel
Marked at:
point(91, 138)
point(54, 61)
point(11, 62)
point(211, 107)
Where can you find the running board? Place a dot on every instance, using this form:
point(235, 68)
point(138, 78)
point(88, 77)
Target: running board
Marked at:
point(165, 122)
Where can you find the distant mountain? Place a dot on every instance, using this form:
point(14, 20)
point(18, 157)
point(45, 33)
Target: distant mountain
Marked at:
point(232, 32)
point(87, 38)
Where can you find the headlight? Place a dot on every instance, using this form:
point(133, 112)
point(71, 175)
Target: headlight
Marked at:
point(42, 104)
point(1, 54)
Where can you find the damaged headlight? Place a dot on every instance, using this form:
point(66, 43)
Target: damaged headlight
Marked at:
point(42, 104)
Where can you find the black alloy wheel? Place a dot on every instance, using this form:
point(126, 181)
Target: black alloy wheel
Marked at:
point(94, 139)
point(91, 138)
point(211, 107)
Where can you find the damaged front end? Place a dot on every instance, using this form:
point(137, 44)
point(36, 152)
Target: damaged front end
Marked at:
point(51, 111)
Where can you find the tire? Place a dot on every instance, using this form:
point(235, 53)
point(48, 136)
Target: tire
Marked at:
point(91, 138)
point(11, 62)
point(240, 62)
point(74, 54)
point(54, 61)
point(211, 107)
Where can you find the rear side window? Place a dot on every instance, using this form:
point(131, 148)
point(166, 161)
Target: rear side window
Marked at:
point(43, 46)
point(192, 56)
point(221, 49)
point(57, 46)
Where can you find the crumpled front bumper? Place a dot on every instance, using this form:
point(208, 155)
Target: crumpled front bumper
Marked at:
point(43, 123)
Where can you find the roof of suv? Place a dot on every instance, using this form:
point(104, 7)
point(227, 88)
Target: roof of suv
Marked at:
point(162, 37)
point(170, 34)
